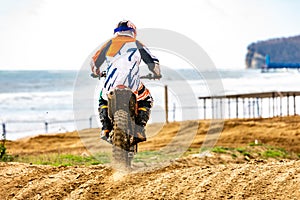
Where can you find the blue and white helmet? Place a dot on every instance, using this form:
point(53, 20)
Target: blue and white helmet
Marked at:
point(125, 27)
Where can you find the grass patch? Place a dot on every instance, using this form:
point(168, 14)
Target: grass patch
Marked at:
point(220, 149)
point(252, 144)
point(233, 155)
point(234, 152)
point(241, 150)
point(4, 157)
point(153, 157)
point(191, 151)
point(142, 156)
point(249, 152)
point(274, 153)
point(252, 151)
point(63, 159)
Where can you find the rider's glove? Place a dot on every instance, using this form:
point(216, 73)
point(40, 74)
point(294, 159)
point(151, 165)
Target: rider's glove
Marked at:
point(95, 70)
point(156, 71)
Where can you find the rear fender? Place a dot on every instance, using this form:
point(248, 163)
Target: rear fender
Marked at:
point(122, 98)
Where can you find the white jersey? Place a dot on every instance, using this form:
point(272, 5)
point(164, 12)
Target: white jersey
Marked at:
point(123, 69)
point(120, 58)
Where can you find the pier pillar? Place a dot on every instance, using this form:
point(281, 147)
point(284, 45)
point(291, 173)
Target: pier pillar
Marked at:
point(237, 107)
point(294, 104)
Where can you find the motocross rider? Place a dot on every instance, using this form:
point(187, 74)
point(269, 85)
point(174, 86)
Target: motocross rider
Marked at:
point(120, 58)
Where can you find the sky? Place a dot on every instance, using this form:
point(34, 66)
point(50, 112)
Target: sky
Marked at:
point(61, 34)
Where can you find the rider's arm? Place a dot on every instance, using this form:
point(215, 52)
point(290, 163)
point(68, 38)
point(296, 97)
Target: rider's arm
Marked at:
point(99, 58)
point(149, 59)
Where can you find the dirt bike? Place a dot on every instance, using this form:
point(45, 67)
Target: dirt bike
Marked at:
point(122, 110)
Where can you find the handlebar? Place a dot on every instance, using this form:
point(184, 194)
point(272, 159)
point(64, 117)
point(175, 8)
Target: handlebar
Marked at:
point(149, 76)
point(94, 75)
point(102, 74)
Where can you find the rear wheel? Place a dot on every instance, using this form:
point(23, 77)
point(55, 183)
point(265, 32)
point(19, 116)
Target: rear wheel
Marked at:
point(121, 155)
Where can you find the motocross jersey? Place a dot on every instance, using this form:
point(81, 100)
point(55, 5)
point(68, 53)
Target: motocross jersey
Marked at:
point(120, 57)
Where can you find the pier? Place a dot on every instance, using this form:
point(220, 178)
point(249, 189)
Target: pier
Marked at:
point(251, 105)
point(279, 65)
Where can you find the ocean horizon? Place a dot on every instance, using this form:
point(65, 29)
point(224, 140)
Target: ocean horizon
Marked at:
point(37, 101)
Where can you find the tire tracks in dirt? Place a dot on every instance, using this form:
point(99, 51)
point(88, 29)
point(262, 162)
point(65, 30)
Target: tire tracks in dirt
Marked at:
point(179, 180)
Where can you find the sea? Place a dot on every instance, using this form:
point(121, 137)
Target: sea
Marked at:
point(51, 101)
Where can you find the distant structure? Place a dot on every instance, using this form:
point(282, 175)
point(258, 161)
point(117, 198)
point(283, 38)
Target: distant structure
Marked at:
point(284, 53)
point(278, 65)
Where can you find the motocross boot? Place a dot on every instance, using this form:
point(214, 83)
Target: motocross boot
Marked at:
point(141, 121)
point(106, 123)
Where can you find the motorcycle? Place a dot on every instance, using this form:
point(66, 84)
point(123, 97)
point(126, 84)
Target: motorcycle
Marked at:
point(123, 110)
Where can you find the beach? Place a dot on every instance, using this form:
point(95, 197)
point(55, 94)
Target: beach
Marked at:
point(212, 176)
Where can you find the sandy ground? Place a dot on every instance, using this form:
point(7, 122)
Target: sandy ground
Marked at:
point(280, 132)
point(193, 177)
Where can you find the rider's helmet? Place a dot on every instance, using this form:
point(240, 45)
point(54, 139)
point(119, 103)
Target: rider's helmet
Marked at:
point(125, 27)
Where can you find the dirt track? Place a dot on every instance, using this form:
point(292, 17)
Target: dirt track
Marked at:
point(185, 178)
